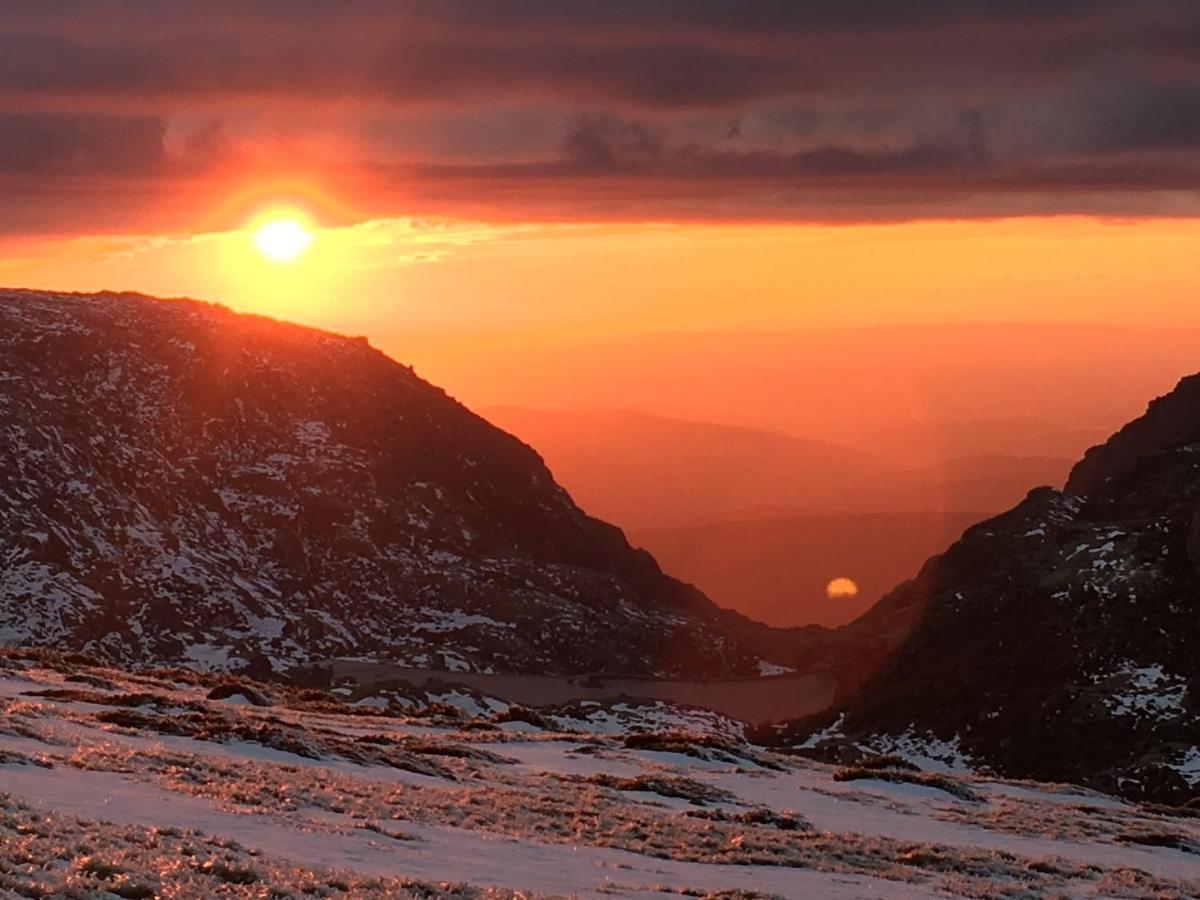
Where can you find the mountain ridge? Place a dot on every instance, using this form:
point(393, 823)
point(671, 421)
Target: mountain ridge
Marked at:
point(186, 484)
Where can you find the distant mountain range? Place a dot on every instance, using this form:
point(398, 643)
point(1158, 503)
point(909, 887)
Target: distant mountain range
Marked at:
point(181, 484)
point(1059, 640)
point(762, 521)
point(914, 395)
point(776, 568)
point(645, 471)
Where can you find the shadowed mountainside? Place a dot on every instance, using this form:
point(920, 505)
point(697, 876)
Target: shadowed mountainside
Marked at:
point(183, 484)
point(1060, 640)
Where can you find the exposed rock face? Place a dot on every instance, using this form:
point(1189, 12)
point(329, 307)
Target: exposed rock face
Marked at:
point(182, 484)
point(1169, 422)
point(1193, 539)
point(1061, 640)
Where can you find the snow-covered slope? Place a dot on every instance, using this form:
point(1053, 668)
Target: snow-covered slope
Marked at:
point(172, 783)
point(182, 484)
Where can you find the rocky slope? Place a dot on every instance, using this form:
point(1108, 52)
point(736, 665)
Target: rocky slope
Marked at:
point(1060, 640)
point(179, 483)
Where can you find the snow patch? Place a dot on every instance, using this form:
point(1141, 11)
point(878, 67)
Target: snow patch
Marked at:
point(1144, 691)
point(768, 669)
point(925, 751)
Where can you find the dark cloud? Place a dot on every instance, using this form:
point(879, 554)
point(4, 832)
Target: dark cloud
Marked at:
point(697, 105)
point(614, 168)
point(668, 53)
point(606, 144)
point(55, 145)
point(723, 18)
point(1144, 117)
point(600, 142)
point(306, 68)
point(81, 144)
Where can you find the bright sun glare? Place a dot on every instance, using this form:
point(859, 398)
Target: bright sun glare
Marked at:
point(282, 240)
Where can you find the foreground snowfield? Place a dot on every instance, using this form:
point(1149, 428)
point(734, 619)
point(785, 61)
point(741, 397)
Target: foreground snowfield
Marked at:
point(136, 785)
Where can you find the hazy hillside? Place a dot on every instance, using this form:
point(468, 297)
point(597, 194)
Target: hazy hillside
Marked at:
point(643, 471)
point(761, 521)
point(639, 470)
point(776, 569)
point(916, 394)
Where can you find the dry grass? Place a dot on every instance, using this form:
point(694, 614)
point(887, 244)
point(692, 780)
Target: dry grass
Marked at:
point(902, 776)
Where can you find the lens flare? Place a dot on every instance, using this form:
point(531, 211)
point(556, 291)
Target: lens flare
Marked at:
point(841, 589)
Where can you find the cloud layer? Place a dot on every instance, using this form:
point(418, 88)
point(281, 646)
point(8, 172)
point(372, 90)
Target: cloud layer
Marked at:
point(829, 109)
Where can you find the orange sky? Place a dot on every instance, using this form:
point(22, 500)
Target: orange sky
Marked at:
point(480, 308)
point(535, 172)
point(386, 277)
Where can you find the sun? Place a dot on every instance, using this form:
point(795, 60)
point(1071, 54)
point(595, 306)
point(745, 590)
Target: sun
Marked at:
point(841, 589)
point(282, 240)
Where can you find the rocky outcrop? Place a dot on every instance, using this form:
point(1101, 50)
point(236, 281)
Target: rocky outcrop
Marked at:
point(181, 484)
point(1169, 422)
point(1193, 539)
